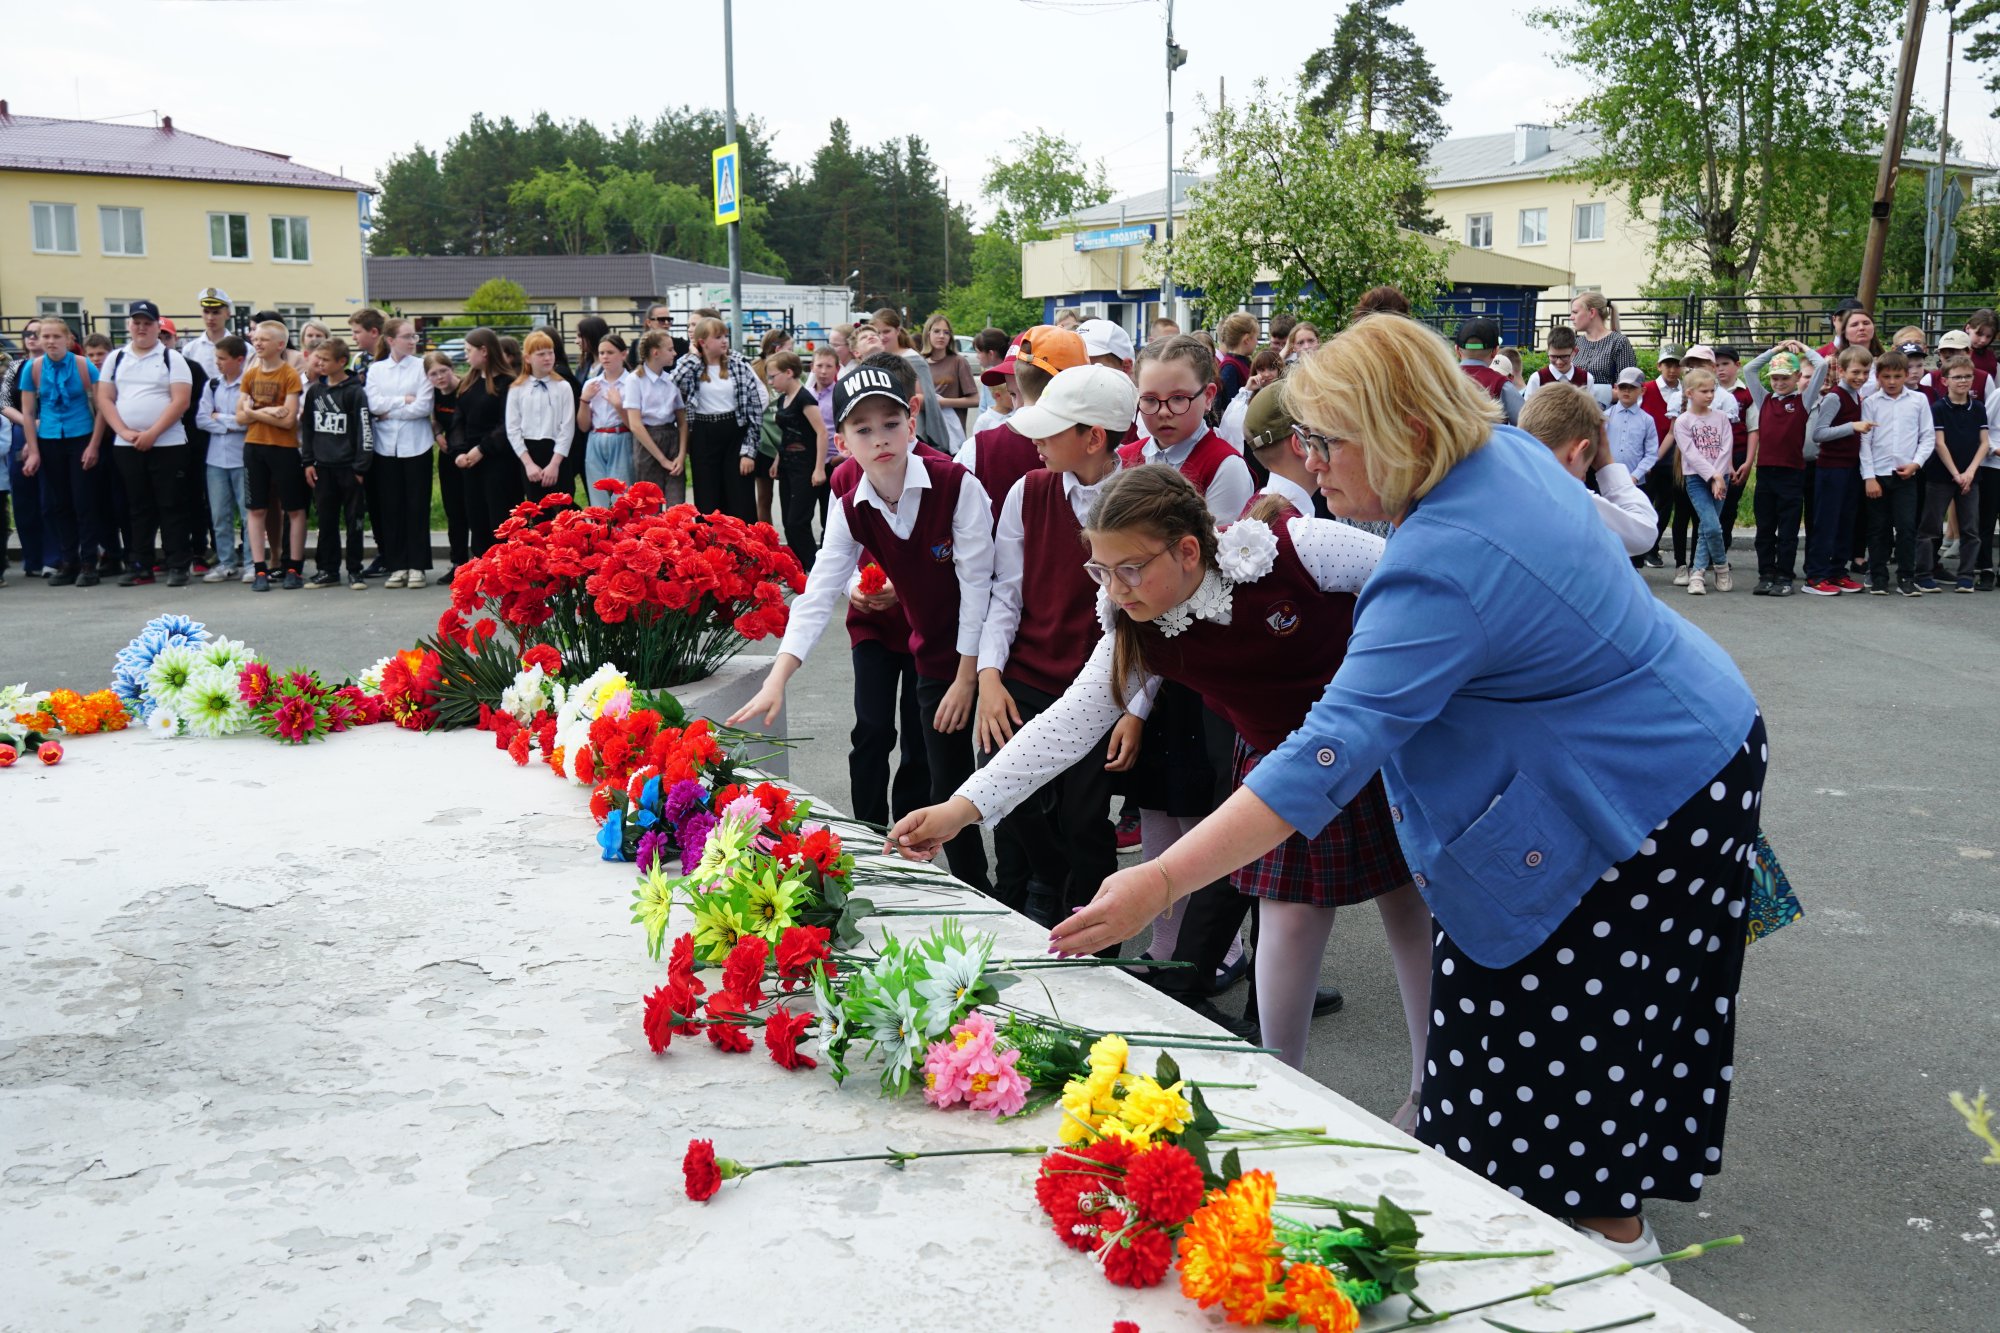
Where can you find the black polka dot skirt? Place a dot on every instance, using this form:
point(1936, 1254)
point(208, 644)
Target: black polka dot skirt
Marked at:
point(1595, 1073)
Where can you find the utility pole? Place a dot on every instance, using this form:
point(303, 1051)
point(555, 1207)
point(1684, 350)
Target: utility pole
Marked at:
point(729, 136)
point(1892, 155)
point(1934, 261)
point(1176, 57)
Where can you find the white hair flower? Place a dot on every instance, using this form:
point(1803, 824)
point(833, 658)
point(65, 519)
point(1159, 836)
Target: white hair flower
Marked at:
point(1246, 550)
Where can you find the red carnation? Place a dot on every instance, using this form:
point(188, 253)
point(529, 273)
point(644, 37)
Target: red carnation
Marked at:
point(545, 656)
point(699, 1169)
point(680, 965)
point(822, 848)
point(873, 579)
point(731, 1037)
point(1165, 1182)
point(1068, 1173)
point(1138, 1258)
point(659, 1022)
point(1124, 1326)
point(743, 970)
point(799, 947)
point(782, 1031)
point(609, 485)
point(517, 748)
point(776, 800)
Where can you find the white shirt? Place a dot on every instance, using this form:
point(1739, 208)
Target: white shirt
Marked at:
point(1671, 395)
point(1992, 459)
point(201, 351)
point(145, 383)
point(1287, 489)
point(541, 409)
point(216, 414)
point(840, 556)
point(714, 397)
point(607, 412)
point(658, 401)
point(1904, 431)
point(987, 420)
point(402, 430)
point(1231, 487)
point(1624, 509)
point(1339, 558)
point(1589, 384)
point(1010, 538)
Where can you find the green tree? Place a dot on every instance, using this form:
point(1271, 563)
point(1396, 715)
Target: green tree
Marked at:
point(1294, 197)
point(411, 214)
point(992, 295)
point(567, 201)
point(497, 303)
point(1373, 78)
point(1756, 135)
point(1042, 180)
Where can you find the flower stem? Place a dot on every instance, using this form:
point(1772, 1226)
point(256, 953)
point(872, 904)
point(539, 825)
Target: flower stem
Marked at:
point(1272, 1139)
point(1594, 1328)
point(1320, 1201)
point(897, 1157)
point(1428, 1318)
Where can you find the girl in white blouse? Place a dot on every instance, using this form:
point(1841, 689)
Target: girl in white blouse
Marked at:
point(541, 412)
point(656, 415)
point(601, 411)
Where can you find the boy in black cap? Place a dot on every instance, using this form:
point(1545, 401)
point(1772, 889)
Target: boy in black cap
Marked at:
point(1478, 339)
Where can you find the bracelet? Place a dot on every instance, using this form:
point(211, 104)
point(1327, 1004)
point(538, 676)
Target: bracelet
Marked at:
point(1167, 910)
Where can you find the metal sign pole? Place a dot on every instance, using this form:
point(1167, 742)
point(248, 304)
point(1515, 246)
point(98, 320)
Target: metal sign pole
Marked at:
point(729, 134)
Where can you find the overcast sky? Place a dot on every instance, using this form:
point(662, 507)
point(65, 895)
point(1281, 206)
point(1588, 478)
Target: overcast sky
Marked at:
point(288, 76)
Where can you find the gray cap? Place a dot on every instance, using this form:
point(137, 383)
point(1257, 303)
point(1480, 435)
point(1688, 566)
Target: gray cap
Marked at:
point(1631, 377)
point(1671, 352)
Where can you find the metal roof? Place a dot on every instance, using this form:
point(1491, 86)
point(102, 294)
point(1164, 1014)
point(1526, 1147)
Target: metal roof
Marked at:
point(1478, 158)
point(97, 148)
point(454, 277)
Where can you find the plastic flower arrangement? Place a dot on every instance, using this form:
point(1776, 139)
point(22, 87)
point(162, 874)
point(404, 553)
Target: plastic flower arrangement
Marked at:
point(908, 996)
point(131, 669)
point(662, 595)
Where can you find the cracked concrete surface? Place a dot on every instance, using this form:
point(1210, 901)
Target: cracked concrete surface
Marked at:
point(348, 1037)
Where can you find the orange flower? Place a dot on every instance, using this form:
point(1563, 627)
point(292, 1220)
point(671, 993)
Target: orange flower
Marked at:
point(1318, 1300)
point(1226, 1252)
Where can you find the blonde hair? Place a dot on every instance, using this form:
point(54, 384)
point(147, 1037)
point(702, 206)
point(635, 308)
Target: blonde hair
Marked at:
point(1303, 326)
point(649, 342)
point(1696, 379)
point(1155, 499)
point(1560, 414)
point(1395, 386)
point(1235, 329)
point(277, 327)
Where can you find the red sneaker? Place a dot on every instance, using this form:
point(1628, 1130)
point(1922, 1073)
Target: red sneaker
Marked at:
point(1128, 832)
point(1847, 584)
point(1822, 588)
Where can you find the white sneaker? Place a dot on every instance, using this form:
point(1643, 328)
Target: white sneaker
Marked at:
point(1634, 1251)
point(249, 573)
point(1722, 580)
point(219, 574)
point(1694, 584)
point(397, 579)
point(414, 578)
point(1680, 576)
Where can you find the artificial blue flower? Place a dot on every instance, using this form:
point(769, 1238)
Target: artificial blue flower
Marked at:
point(611, 837)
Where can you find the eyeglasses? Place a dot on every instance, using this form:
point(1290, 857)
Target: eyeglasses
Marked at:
point(1318, 443)
point(1129, 575)
point(659, 319)
point(1175, 403)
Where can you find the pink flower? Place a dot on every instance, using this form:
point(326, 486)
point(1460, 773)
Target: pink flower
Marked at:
point(618, 705)
point(745, 809)
point(995, 1085)
point(945, 1077)
point(966, 1068)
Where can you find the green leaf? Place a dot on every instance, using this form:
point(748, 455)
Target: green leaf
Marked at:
point(1232, 1164)
point(1166, 1070)
point(1204, 1119)
point(1397, 1227)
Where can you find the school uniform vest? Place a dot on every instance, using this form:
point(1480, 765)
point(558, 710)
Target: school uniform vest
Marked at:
point(1846, 451)
point(1937, 391)
point(891, 628)
point(1199, 467)
point(1577, 376)
point(1739, 429)
point(1487, 378)
point(1059, 625)
point(1985, 360)
point(1781, 432)
point(921, 565)
point(1265, 669)
point(1654, 403)
point(1004, 457)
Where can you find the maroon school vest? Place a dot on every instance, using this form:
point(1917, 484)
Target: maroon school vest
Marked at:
point(1059, 624)
point(1781, 431)
point(1937, 391)
point(1199, 467)
point(1003, 457)
point(1739, 429)
point(1846, 451)
point(890, 628)
point(1487, 378)
point(1577, 376)
point(1264, 670)
point(921, 566)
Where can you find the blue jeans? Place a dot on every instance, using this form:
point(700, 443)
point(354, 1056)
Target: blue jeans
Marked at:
point(1709, 552)
point(228, 514)
point(607, 454)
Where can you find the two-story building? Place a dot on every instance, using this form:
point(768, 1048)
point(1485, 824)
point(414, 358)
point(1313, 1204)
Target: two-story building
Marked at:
point(95, 215)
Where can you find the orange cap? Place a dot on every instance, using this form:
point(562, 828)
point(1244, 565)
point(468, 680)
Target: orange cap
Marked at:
point(1051, 349)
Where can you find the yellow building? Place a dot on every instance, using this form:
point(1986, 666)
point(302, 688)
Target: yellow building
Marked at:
point(94, 216)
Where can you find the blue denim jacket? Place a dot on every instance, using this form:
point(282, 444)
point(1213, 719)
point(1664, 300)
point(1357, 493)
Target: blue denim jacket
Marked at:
point(1535, 711)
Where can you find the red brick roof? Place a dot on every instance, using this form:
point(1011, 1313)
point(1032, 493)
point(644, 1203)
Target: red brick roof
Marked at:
point(95, 148)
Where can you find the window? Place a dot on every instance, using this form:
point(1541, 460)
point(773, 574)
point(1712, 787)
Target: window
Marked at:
point(291, 241)
point(1534, 226)
point(1479, 230)
point(239, 314)
point(589, 305)
point(122, 229)
point(1590, 222)
point(69, 309)
point(229, 236)
point(114, 324)
point(294, 316)
point(55, 228)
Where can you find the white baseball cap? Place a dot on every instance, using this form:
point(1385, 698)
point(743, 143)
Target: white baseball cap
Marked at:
point(1103, 338)
point(1079, 396)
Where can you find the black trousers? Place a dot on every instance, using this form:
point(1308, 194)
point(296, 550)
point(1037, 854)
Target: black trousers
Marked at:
point(1938, 497)
point(881, 676)
point(493, 486)
point(403, 523)
point(341, 497)
point(156, 489)
point(1779, 504)
point(1665, 493)
point(1214, 912)
point(1060, 840)
point(451, 490)
point(1892, 528)
point(950, 758)
point(797, 498)
point(715, 452)
point(1988, 489)
point(540, 452)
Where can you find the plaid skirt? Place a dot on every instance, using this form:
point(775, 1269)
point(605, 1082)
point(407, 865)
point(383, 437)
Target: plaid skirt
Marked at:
point(1354, 858)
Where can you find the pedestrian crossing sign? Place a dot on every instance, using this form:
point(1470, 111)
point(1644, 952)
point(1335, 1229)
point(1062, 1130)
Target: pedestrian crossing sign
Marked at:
point(728, 162)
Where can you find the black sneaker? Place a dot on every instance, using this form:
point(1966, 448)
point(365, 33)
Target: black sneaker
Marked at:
point(261, 583)
point(1328, 1000)
point(1909, 588)
point(323, 579)
point(62, 578)
point(1985, 581)
point(1763, 588)
point(87, 578)
point(108, 565)
point(1879, 588)
point(374, 570)
point(177, 578)
point(1653, 560)
point(292, 581)
point(1782, 588)
point(356, 582)
point(133, 578)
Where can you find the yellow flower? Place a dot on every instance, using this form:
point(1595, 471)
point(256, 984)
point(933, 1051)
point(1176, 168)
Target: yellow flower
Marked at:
point(1108, 1054)
point(1149, 1111)
point(1090, 1101)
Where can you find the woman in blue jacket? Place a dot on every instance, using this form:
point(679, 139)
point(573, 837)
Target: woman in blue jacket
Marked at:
point(1574, 773)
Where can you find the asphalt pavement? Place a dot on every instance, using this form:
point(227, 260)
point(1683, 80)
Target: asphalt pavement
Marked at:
point(1858, 1189)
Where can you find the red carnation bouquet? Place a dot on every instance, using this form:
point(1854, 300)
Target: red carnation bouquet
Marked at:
point(664, 595)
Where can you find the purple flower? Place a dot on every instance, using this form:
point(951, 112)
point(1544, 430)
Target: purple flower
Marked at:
point(683, 796)
point(693, 837)
point(654, 844)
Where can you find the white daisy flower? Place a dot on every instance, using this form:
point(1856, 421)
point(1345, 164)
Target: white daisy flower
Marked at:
point(1246, 550)
point(212, 706)
point(163, 724)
